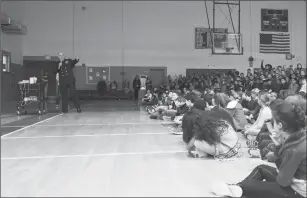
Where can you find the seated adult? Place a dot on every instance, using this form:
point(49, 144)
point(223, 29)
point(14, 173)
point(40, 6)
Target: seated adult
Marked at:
point(289, 178)
point(113, 86)
point(264, 116)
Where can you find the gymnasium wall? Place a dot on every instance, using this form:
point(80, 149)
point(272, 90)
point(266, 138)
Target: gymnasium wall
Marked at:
point(145, 33)
point(13, 44)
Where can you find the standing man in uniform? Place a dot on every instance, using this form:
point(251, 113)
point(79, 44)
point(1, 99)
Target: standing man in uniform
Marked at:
point(66, 81)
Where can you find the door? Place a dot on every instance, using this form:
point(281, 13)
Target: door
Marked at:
point(157, 77)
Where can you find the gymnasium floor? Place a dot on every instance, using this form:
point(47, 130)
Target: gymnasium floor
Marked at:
point(111, 149)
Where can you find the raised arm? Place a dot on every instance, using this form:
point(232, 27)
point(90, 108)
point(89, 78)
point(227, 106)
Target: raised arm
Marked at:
point(74, 62)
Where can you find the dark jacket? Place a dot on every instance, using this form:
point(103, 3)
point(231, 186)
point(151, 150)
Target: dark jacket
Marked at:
point(136, 84)
point(291, 159)
point(66, 74)
point(182, 110)
point(284, 86)
point(238, 116)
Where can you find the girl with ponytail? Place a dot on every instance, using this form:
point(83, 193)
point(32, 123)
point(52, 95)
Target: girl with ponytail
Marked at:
point(265, 114)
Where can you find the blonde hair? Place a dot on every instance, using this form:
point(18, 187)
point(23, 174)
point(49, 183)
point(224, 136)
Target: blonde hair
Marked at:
point(265, 98)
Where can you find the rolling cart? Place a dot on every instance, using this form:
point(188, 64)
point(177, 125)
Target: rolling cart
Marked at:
point(29, 94)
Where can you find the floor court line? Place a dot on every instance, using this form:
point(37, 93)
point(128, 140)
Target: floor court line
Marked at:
point(13, 132)
point(94, 155)
point(109, 124)
point(83, 135)
point(13, 126)
point(127, 154)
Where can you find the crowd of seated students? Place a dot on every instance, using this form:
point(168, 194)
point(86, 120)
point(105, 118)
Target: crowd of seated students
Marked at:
point(267, 107)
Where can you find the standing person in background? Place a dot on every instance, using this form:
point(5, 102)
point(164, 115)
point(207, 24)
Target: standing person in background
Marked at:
point(136, 87)
point(67, 82)
point(148, 84)
point(44, 76)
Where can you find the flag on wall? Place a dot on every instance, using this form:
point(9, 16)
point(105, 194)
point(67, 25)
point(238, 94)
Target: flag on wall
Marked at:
point(275, 43)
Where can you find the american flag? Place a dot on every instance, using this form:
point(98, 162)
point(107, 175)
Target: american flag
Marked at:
point(275, 43)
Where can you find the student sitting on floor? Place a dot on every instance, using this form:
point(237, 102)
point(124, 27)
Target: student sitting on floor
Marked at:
point(181, 108)
point(235, 109)
point(152, 102)
point(168, 105)
point(188, 120)
point(264, 140)
point(190, 99)
point(251, 106)
point(147, 96)
point(170, 113)
point(266, 145)
point(214, 137)
point(264, 115)
point(289, 179)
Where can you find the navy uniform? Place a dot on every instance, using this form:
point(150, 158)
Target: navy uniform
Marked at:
point(67, 81)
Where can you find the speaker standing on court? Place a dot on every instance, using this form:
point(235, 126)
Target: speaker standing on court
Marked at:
point(66, 81)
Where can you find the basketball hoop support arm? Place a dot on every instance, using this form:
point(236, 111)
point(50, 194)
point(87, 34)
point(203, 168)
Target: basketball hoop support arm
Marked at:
point(230, 11)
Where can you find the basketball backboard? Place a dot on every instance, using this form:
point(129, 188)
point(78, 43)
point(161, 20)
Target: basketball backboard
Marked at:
point(227, 44)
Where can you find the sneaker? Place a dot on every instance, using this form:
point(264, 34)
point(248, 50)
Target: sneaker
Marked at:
point(224, 190)
point(177, 130)
point(254, 153)
point(166, 118)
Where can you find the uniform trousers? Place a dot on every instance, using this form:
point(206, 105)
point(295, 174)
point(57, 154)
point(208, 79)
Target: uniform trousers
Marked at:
point(64, 87)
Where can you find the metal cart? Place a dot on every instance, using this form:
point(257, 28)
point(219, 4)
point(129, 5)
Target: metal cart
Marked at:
point(29, 94)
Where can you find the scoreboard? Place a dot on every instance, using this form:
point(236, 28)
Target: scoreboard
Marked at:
point(273, 20)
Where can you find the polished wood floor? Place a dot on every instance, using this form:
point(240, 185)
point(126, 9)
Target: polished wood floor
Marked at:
point(111, 149)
